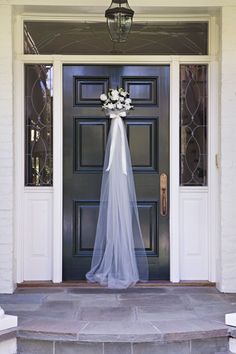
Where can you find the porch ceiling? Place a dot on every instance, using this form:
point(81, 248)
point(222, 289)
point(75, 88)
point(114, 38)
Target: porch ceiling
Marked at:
point(100, 10)
point(101, 4)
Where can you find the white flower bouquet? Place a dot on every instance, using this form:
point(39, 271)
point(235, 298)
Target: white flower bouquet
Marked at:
point(116, 101)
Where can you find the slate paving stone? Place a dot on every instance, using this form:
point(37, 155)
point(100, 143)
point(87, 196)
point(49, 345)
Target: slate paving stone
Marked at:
point(78, 348)
point(98, 291)
point(24, 320)
point(205, 298)
point(58, 306)
point(52, 328)
point(213, 309)
point(165, 348)
point(19, 307)
point(98, 300)
point(119, 332)
point(102, 290)
point(229, 298)
point(44, 314)
point(34, 347)
point(186, 330)
point(61, 297)
point(137, 295)
point(152, 313)
point(162, 300)
point(22, 298)
point(210, 346)
point(219, 318)
point(114, 348)
point(107, 314)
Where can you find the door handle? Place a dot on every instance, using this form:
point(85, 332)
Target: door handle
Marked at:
point(163, 194)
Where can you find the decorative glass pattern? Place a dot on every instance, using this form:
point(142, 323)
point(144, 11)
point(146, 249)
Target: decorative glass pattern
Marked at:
point(147, 38)
point(193, 125)
point(38, 124)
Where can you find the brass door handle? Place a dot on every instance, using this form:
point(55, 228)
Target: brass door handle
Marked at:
point(163, 194)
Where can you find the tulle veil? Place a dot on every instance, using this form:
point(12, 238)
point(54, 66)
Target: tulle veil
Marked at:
point(119, 258)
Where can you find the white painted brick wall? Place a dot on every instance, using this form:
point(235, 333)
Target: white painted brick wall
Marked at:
point(228, 151)
point(6, 150)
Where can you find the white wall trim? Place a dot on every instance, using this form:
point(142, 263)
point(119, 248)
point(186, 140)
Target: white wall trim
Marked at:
point(174, 172)
point(90, 17)
point(19, 168)
point(57, 173)
point(213, 170)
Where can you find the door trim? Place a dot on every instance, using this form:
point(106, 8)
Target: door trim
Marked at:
point(174, 156)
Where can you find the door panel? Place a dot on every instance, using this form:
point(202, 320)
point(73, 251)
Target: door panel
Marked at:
point(85, 135)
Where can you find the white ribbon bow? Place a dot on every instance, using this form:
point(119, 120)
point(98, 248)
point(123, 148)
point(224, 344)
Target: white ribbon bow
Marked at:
point(118, 125)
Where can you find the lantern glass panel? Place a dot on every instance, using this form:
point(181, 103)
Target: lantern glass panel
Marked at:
point(119, 27)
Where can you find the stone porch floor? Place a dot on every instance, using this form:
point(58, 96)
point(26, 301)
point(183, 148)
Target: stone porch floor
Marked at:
point(179, 320)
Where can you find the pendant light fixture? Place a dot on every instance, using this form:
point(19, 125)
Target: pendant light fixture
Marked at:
point(119, 20)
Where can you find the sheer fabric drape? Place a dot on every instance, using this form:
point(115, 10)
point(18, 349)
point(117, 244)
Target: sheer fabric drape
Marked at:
point(119, 258)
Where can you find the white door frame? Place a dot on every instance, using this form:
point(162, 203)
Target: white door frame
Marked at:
point(58, 61)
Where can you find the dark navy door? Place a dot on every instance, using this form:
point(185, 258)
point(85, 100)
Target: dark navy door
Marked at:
point(84, 140)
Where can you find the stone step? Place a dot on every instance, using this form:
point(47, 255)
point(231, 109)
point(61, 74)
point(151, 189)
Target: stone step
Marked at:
point(215, 345)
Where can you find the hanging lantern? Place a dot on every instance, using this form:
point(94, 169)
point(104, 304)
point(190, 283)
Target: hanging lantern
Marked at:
point(119, 20)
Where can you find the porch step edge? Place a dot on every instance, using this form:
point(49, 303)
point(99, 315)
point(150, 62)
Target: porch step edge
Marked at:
point(124, 338)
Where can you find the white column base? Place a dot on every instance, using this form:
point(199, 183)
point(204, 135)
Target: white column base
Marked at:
point(230, 319)
point(8, 346)
point(232, 345)
point(7, 321)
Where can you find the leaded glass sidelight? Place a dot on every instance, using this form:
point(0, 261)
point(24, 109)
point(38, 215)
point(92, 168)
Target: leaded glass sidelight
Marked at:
point(38, 124)
point(193, 125)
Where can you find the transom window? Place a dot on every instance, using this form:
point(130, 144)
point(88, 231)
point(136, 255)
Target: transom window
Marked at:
point(150, 38)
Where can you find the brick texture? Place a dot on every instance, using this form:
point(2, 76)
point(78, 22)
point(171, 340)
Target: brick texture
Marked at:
point(228, 151)
point(6, 150)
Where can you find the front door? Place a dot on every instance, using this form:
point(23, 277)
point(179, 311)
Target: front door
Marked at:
point(84, 141)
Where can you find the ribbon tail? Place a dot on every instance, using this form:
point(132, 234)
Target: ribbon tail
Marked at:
point(113, 143)
point(123, 153)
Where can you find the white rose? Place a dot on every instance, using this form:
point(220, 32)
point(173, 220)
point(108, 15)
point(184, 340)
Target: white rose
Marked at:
point(110, 106)
point(128, 100)
point(122, 99)
point(127, 107)
point(119, 105)
point(124, 93)
point(114, 98)
point(114, 95)
point(103, 97)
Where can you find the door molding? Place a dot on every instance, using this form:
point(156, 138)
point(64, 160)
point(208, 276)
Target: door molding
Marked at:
point(174, 155)
point(58, 61)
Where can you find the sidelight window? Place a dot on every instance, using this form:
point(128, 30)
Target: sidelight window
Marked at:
point(193, 125)
point(38, 124)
